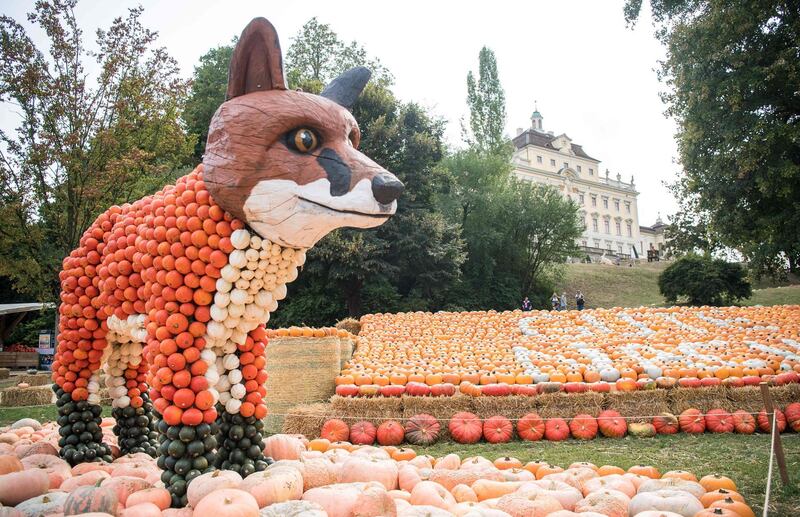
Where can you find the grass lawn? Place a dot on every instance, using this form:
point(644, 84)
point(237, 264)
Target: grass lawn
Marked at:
point(787, 295)
point(613, 286)
point(743, 458)
point(9, 415)
point(622, 286)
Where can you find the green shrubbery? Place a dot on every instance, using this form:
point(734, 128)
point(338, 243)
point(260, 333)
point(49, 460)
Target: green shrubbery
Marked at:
point(703, 280)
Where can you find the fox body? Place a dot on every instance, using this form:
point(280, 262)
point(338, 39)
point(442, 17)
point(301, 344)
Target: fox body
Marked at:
point(165, 300)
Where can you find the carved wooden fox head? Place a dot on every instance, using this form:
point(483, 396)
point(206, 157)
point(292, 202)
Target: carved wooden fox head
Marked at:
point(287, 162)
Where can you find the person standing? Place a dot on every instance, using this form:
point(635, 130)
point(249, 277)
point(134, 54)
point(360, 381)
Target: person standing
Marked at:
point(563, 301)
point(579, 301)
point(526, 304)
point(554, 301)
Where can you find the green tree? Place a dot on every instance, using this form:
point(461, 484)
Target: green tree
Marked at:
point(702, 280)
point(543, 226)
point(732, 71)
point(317, 55)
point(209, 85)
point(487, 106)
point(82, 143)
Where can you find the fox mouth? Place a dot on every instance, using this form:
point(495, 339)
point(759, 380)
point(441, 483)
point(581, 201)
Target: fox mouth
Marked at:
point(353, 212)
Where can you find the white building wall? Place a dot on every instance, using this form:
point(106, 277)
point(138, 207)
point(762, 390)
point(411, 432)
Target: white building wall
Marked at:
point(583, 183)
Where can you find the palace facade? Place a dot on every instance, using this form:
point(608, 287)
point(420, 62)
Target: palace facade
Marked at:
point(608, 204)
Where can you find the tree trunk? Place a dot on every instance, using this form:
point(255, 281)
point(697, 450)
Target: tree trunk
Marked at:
point(8, 322)
point(352, 292)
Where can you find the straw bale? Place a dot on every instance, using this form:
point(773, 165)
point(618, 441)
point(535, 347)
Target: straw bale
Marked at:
point(785, 395)
point(747, 398)
point(638, 403)
point(306, 419)
point(373, 409)
point(5, 373)
point(37, 379)
point(351, 325)
point(512, 406)
point(301, 370)
point(704, 399)
point(33, 396)
point(567, 405)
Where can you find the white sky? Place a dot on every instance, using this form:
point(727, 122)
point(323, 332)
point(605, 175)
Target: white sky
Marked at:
point(593, 78)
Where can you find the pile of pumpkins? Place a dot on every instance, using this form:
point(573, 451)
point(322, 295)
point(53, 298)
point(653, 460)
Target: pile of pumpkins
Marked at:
point(603, 349)
point(468, 428)
point(318, 479)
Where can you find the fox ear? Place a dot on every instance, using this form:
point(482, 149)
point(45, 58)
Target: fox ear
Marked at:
point(256, 64)
point(345, 89)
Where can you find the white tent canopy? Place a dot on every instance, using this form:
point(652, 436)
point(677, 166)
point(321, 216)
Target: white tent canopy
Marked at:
point(13, 308)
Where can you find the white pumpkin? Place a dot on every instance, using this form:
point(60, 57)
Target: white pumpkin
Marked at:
point(240, 239)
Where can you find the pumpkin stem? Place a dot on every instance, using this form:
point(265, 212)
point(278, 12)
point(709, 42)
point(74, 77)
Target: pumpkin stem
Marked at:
point(45, 499)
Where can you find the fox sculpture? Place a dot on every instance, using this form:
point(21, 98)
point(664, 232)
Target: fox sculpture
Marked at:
point(165, 300)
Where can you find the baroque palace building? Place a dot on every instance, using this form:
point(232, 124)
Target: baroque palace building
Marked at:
point(608, 205)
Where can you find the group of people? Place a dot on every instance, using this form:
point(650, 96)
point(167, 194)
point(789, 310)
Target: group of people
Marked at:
point(559, 303)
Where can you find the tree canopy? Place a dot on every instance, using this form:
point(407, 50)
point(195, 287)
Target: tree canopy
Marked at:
point(82, 142)
point(702, 280)
point(731, 74)
point(487, 105)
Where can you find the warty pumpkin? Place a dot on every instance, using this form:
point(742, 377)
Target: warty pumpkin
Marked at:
point(422, 429)
point(86, 499)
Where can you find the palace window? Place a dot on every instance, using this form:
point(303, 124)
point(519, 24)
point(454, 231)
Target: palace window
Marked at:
point(566, 165)
point(619, 248)
point(607, 226)
point(579, 168)
point(616, 205)
point(597, 243)
point(552, 163)
point(591, 171)
point(584, 243)
point(619, 228)
point(594, 200)
point(630, 230)
point(605, 202)
point(538, 159)
point(608, 245)
point(594, 224)
point(580, 198)
point(628, 206)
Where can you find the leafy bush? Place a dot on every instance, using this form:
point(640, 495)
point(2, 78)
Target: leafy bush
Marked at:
point(703, 280)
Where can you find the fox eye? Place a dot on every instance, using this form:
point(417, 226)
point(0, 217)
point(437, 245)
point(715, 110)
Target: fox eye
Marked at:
point(302, 140)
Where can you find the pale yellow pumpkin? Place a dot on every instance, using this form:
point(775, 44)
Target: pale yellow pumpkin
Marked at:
point(206, 483)
point(274, 485)
point(432, 494)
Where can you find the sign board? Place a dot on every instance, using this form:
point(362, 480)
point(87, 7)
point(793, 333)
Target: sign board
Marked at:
point(46, 342)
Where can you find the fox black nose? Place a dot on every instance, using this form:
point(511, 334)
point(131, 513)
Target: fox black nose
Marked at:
point(386, 188)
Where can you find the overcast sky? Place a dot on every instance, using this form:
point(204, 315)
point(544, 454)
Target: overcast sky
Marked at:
point(593, 78)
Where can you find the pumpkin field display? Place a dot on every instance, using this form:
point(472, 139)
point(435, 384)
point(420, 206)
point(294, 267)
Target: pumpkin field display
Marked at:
point(504, 353)
point(316, 478)
point(166, 298)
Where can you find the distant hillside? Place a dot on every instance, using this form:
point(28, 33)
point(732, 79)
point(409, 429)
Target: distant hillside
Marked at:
point(623, 286)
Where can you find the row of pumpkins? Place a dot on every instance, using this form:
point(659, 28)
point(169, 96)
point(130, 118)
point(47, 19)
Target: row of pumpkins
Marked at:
point(309, 332)
point(467, 428)
point(315, 479)
point(346, 386)
point(515, 347)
